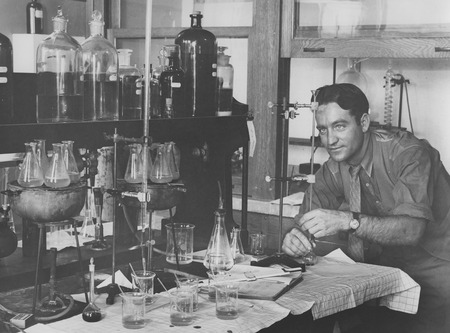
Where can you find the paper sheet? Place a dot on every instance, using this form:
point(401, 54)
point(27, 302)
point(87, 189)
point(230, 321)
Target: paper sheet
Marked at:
point(119, 279)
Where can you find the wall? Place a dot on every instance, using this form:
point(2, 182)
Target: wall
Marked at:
point(13, 17)
point(428, 98)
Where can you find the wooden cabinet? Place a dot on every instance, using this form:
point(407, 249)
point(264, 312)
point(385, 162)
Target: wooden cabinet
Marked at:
point(365, 29)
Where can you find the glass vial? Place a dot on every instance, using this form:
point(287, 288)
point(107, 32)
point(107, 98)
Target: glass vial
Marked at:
point(225, 74)
point(199, 61)
point(161, 172)
point(237, 249)
point(130, 87)
point(35, 18)
point(30, 171)
point(172, 83)
point(56, 175)
point(91, 313)
point(6, 80)
point(71, 163)
point(218, 256)
point(134, 172)
point(59, 68)
point(101, 66)
point(41, 153)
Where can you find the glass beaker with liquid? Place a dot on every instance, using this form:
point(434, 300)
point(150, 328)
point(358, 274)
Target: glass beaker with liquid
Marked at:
point(59, 69)
point(101, 67)
point(31, 174)
point(56, 175)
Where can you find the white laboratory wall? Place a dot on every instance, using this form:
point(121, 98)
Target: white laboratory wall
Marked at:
point(428, 94)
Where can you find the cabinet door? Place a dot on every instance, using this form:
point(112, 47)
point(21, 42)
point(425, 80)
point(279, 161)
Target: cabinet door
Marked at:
point(366, 28)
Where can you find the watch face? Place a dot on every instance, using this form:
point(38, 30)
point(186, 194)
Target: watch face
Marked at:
point(354, 224)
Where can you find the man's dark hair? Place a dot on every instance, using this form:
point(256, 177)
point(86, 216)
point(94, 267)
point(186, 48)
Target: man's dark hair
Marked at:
point(347, 96)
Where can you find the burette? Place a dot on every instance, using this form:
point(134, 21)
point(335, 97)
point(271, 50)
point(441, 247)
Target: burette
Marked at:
point(286, 115)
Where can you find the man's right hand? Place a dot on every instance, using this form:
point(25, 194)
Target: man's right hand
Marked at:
point(296, 243)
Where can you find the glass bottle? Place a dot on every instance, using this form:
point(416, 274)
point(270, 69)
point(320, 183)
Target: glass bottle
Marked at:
point(161, 172)
point(30, 172)
point(35, 18)
point(168, 109)
point(170, 150)
point(130, 87)
point(59, 68)
point(41, 153)
point(134, 172)
point(56, 175)
point(101, 66)
point(353, 75)
point(237, 249)
point(199, 61)
point(218, 256)
point(6, 80)
point(91, 312)
point(71, 163)
point(225, 74)
point(155, 89)
point(172, 82)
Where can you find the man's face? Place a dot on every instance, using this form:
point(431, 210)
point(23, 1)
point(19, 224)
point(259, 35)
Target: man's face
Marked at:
point(340, 134)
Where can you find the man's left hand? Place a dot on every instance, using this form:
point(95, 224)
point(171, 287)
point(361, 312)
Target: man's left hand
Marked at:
point(324, 222)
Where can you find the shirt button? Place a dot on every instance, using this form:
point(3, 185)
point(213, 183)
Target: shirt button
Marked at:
point(367, 184)
point(377, 202)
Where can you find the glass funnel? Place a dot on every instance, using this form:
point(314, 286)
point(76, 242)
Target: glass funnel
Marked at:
point(71, 163)
point(56, 175)
point(31, 174)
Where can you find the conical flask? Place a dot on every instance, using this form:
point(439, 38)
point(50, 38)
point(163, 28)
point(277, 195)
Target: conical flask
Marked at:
point(237, 249)
point(71, 163)
point(133, 173)
point(161, 172)
point(30, 172)
point(41, 153)
point(56, 175)
point(218, 256)
point(170, 150)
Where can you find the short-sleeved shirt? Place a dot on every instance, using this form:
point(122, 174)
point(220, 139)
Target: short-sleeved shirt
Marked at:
point(400, 175)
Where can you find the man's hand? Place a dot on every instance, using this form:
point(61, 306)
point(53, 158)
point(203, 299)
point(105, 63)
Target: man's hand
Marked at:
point(324, 222)
point(296, 243)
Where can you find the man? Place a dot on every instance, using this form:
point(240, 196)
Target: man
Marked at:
point(402, 212)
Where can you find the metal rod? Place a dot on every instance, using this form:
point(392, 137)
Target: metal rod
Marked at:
point(113, 266)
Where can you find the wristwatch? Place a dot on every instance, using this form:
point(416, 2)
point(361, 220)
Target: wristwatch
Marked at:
point(354, 222)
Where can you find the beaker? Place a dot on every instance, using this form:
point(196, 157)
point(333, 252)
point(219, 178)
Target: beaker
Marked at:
point(133, 173)
point(180, 243)
point(56, 175)
point(31, 174)
point(161, 172)
point(170, 150)
point(71, 163)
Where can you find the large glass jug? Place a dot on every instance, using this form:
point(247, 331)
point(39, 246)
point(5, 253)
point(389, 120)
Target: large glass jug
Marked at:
point(59, 69)
point(130, 87)
point(101, 66)
point(6, 80)
point(30, 171)
point(199, 61)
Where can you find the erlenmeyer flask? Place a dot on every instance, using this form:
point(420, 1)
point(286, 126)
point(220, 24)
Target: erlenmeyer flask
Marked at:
point(56, 175)
point(161, 172)
point(237, 249)
point(41, 153)
point(134, 174)
point(170, 150)
point(71, 163)
point(31, 174)
point(218, 256)
point(150, 155)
